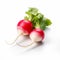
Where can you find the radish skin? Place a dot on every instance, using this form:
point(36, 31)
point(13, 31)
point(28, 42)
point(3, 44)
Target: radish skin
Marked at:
point(24, 26)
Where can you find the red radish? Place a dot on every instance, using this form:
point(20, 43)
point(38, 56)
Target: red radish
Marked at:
point(37, 35)
point(24, 26)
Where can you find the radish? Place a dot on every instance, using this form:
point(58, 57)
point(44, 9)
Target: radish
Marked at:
point(37, 35)
point(24, 27)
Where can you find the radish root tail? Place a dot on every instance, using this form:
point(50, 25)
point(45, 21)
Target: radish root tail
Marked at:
point(25, 46)
point(14, 40)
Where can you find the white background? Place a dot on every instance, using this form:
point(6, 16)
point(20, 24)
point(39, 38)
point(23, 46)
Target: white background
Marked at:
point(11, 11)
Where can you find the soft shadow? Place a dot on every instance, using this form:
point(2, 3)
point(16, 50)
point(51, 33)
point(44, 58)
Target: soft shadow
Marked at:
point(37, 45)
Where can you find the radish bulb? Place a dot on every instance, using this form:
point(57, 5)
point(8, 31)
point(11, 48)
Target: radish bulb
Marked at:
point(24, 27)
point(37, 35)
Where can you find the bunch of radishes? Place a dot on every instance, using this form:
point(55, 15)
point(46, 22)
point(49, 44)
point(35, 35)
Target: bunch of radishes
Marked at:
point(33, 25)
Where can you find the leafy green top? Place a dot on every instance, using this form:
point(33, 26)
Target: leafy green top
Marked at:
point(38, 20)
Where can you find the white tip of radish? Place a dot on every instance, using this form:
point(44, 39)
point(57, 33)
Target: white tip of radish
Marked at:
point(20, 31)
point(35, 37)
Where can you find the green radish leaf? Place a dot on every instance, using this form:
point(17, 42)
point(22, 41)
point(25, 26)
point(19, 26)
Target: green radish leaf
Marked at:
point(48, 22)
point(38, 20)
